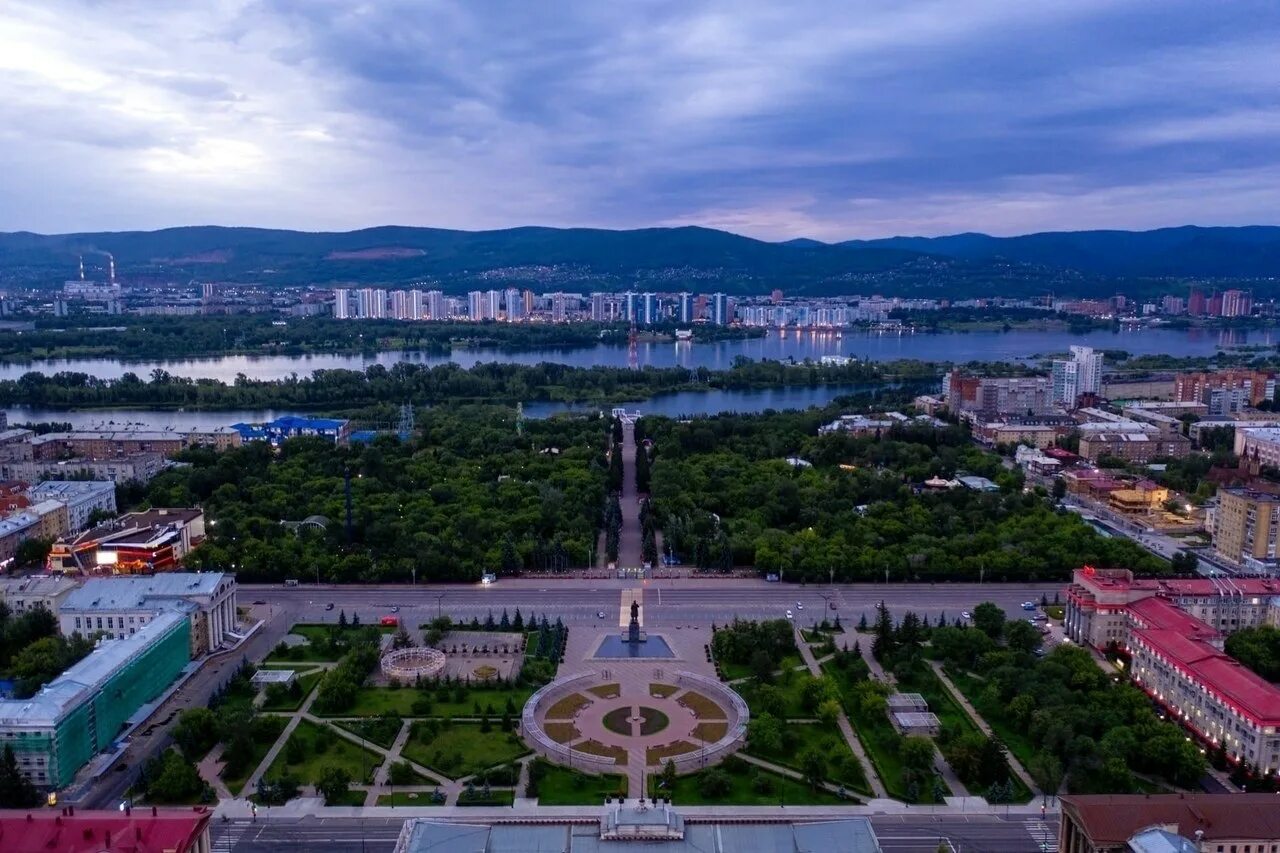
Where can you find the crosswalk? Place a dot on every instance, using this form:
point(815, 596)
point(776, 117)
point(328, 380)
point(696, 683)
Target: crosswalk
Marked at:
point(1044, 835)
point(226, 837)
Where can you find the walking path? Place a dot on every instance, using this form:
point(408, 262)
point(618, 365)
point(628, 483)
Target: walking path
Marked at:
point(1014, 764)
point(251, 784)
point(793, 774)
point(209, 768)
point(630, 539)
point(868, 769)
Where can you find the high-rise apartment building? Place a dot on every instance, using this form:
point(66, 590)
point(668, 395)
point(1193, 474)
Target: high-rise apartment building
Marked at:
point(1196, 303)
point(1173, 305)
point(686, 308)
point(515, 305)
point(476, 305)
point(1236, 303)
point(998, 395)
point(648, 309)
point(559, 308)
point(1081, 374)
point(417, 305)
point(1193, 387)
point(493, 304)
point(400, 305)
point(341, 303)
point(721, 309)
point(436, 309)
point(1246, 525)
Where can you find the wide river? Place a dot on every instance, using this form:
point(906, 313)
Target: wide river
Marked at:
point(960, 347)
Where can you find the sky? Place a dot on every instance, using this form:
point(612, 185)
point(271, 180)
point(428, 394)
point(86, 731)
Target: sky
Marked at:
point(830, 120)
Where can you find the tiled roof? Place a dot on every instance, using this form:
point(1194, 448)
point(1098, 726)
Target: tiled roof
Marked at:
point(1111, 819)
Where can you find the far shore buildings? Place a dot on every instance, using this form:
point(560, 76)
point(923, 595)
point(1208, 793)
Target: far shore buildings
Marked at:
point(1174, 630)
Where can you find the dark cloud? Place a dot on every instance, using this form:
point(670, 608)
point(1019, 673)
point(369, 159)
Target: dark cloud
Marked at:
point(831, 118)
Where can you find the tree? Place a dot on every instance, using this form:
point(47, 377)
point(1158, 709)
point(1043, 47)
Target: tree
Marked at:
point(916, 753)
point(342, 620)
point(989, 619)
point(813, 764)
point(333, 784)
point(170, 778)
point(196, 732)
point(32, 552)
point(1046, 770)
point(714, 783)
point(669, 775)
point(16, 790)
point(1021, 636)
point(764, 733)
point(829, 712)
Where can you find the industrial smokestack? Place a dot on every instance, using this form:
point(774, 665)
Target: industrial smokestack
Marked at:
point(111, 268)
point(82, 267)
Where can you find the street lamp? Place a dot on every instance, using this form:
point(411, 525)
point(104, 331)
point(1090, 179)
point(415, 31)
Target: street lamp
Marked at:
point(439, 598)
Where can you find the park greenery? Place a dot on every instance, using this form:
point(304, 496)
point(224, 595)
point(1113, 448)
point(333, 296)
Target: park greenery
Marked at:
point(16, 790)
point(32, 652)
point(1060, 714)
point(768, 491)
point(470, 494)
point(1257, 648)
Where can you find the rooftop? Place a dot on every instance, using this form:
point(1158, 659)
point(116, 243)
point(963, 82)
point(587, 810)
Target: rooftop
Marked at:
point(853, 835)
point(35, 585)
point(141, 831)
point(1111, 819)
point(128, 592)
point(55, 698)
point(59, 489)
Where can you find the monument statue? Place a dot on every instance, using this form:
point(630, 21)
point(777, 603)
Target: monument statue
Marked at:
point(633, 630)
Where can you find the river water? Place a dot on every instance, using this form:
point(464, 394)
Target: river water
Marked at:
point(958, 347)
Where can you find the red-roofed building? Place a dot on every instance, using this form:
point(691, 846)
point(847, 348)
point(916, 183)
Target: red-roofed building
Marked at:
point(137, 831)
point(1173, 631)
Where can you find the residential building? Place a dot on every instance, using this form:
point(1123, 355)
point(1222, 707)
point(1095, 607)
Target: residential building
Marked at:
point(1258, 385)
point(341, 303)
point(135, 543)
point(1215, 823)
point(1133, 446)
point(119, 606)
point(994, 433)
point(106, 444)
point(1236, 303)
point(649, 309)
point(476, 305)
point(81, 712)
point(43, 520)
point(1258, 446)
point(515, 305)
point(1246, 525)
point(130, 467)
point(1173, 305)
point(82, 499)
point(436, 309)
point(1167, 424)
point(136, 830)
point(721, 309)
point(998, 395)
point(1081, 374)
point(559, 307)
point(400, 305)
point(21, 594)
point(685, 313)
point(1173, 631)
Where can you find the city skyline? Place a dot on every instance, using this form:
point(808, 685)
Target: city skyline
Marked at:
point(827, 121)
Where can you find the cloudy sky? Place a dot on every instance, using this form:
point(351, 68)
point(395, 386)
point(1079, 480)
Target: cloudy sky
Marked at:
point(850, 118)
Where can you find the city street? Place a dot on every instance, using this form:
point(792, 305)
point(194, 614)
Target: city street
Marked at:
point(667, 602)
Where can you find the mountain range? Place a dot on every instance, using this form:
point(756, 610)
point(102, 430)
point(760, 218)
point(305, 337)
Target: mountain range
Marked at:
point(1082, 263)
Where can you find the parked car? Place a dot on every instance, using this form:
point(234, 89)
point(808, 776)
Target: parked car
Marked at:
point(1028, 605)
point(599, 614)
point(329, 606)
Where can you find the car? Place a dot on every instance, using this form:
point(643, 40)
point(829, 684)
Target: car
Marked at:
point(789, 616)
point(1040, 617)
point(964, 614)
point(1028, 605)
point(329, 606)
point(260, 601)
point(599, 614)
point(799, 606)
point(395, 609)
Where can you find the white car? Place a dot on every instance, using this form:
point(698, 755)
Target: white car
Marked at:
point(599, 614)
point(799, 606)
point(965, 615)
point(789, 614)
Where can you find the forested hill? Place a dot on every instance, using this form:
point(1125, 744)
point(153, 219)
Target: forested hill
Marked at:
point(662, 259)
point(1187, 251)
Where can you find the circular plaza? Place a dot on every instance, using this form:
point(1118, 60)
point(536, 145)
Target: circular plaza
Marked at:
point(607, 722)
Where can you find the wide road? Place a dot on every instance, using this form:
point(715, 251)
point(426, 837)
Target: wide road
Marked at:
point(666, 602)
point(910, 833)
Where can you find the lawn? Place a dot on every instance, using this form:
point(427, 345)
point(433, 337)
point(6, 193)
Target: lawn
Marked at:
point(662, 691)
point(595, 747)
point(460, 749)
point(560, 786)
point(287, 702)
point(702, 707)
point(843, 767)
point(565, 708)
point(657, 755)
point(409, 798)
point(443, 702)
point(494, 798)
point(1056, 611)
point(654, 721)
point(734, 671)
point(353, 797)
point(314, 651)
point(269, 729)
point(606, 691)
point(561, 732)
point(1014, 740)
point(881, 741)
point(710, 732)
point(320, 747)
point(791, 687)
point(754, 786)
point(925, 682)
point(379, 730)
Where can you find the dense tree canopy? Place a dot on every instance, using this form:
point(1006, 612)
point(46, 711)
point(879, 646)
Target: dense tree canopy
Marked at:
point(1257, 648)
point(724, 494)
point(446, 504)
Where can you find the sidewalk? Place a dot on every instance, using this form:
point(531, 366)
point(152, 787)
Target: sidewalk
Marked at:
point(1014, 764)
point(851, 738)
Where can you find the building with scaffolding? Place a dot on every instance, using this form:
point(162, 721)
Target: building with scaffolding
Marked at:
point(81, 712)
